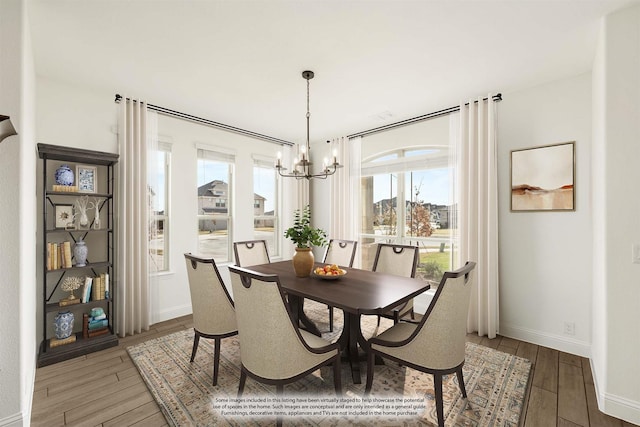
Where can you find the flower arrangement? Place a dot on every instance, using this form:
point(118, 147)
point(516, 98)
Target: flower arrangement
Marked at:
point(302, 234)
point(70, 284)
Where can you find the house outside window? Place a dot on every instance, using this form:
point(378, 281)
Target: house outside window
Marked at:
point(215, 178)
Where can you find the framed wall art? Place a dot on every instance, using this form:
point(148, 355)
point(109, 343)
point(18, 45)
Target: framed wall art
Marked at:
point(543, 178)
point(87, 178)
point(64, 215)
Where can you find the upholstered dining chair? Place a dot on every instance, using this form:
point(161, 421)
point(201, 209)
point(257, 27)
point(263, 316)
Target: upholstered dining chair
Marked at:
point(273, 350)
point(213, 310)
point(339, 252)
point(436, 344)
point(401, 260)
point(251, 252)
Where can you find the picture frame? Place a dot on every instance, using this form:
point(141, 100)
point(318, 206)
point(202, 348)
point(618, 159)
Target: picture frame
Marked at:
point(87, 178)
point(543, 178)
point(63, 215)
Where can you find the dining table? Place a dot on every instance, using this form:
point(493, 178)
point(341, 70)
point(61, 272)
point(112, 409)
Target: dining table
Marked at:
point(358, 292)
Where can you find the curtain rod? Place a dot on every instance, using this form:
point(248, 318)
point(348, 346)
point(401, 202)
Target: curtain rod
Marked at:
point(496, 98)
point(200, 120)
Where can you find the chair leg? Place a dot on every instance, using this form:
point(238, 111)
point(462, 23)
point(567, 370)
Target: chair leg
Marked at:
point(243, 379)
point(216, 360)
point(337, 376)
point(437, 382)
point(196, 340)
point(330, 318)
point(396, 317)
point(461, 383)
point(378, 322)
point(370, 362)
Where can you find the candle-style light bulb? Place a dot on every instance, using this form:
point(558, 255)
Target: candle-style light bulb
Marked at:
point(279, 160)
point(335, 156)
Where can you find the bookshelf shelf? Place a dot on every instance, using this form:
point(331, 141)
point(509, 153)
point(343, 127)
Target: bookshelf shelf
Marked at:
point(56, 242)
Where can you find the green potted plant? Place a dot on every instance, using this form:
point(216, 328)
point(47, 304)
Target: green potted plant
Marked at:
point(304, 237)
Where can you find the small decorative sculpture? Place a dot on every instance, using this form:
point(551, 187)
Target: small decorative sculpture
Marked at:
point(96, 220)
point(70, 284)
point(81, 207)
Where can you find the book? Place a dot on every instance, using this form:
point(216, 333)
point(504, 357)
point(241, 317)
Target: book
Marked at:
point(55, 342)
point(85, 325)
point(67, 301)
point(101, 290)
point(106, 285)
point(86, 291)
point(67, 254)
point(95, 289)
point(98, 324)
point(98, 332)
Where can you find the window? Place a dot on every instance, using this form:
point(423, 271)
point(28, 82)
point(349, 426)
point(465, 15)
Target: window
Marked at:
point(215, 172)
point(159, 204)
point(409, 202)
point(266, 205)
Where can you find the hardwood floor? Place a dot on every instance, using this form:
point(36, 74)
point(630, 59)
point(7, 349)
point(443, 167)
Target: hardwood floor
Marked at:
point(105, 389)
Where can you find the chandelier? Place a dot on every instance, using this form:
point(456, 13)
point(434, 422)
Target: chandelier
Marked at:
point(302, 165)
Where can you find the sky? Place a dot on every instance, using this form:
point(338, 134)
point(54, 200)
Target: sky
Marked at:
point(433, 185)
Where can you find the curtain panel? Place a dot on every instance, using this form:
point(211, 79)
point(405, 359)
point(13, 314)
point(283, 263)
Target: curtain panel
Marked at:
point(477, 199)
point(133, 307)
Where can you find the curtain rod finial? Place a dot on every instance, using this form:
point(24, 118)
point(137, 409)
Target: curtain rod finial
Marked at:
point(118, 97)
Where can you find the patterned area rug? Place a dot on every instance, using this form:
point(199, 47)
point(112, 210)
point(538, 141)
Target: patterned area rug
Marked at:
point(496, 384)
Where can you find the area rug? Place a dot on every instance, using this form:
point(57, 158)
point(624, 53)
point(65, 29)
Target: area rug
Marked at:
point(496, 384)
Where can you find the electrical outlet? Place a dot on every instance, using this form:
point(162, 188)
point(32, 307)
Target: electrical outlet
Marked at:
point(569, 328)
point(635, 253)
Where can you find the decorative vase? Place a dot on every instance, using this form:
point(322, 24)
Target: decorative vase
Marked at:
point(63, 324)
point(64, 175)
point(303, 262)
point(80, 251)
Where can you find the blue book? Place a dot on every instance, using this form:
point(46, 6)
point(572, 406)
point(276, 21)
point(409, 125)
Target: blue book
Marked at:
point(98, 324)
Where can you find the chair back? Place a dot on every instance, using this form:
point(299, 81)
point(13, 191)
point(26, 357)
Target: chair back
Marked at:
point(439, 340)
point(340, 252)
point(213, 310)
point(251, 252)
point(401, 260)
point(271, 346)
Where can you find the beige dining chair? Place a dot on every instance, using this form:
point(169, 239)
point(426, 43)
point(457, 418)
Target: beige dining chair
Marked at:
point(251, 252)
point(400, 260)
point(436, 344)
point(273, 350)
point(343, 253)
point(213, 310)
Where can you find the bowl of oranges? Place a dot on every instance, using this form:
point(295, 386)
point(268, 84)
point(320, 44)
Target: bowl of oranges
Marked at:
point(328, 272)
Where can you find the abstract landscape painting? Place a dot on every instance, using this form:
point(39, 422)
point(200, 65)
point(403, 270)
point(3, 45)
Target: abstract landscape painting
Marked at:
point(542, 178)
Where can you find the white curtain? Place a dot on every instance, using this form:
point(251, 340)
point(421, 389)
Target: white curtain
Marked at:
point(477, 198)
point(133, 307)
point(345, 190)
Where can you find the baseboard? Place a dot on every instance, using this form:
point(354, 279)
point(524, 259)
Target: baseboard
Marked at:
point(557, 342)
point(620, 407)
point(171, 313)
point(15, 420)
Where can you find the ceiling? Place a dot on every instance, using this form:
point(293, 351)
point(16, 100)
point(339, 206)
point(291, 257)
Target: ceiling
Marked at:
point(375, 62)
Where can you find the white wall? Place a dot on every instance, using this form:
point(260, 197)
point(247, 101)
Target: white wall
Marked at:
point(616, 154)
point(17, 219)
point(544, 279)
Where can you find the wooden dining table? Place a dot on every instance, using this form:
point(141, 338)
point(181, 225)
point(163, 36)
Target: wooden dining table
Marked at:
point(359, 292)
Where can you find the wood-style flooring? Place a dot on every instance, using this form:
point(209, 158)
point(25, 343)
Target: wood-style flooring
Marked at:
point(105, 389)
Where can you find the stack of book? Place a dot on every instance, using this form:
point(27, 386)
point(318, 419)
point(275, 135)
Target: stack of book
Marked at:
point(66, 188)
point(95, 288)
point(95, 324)
point(59, 255)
